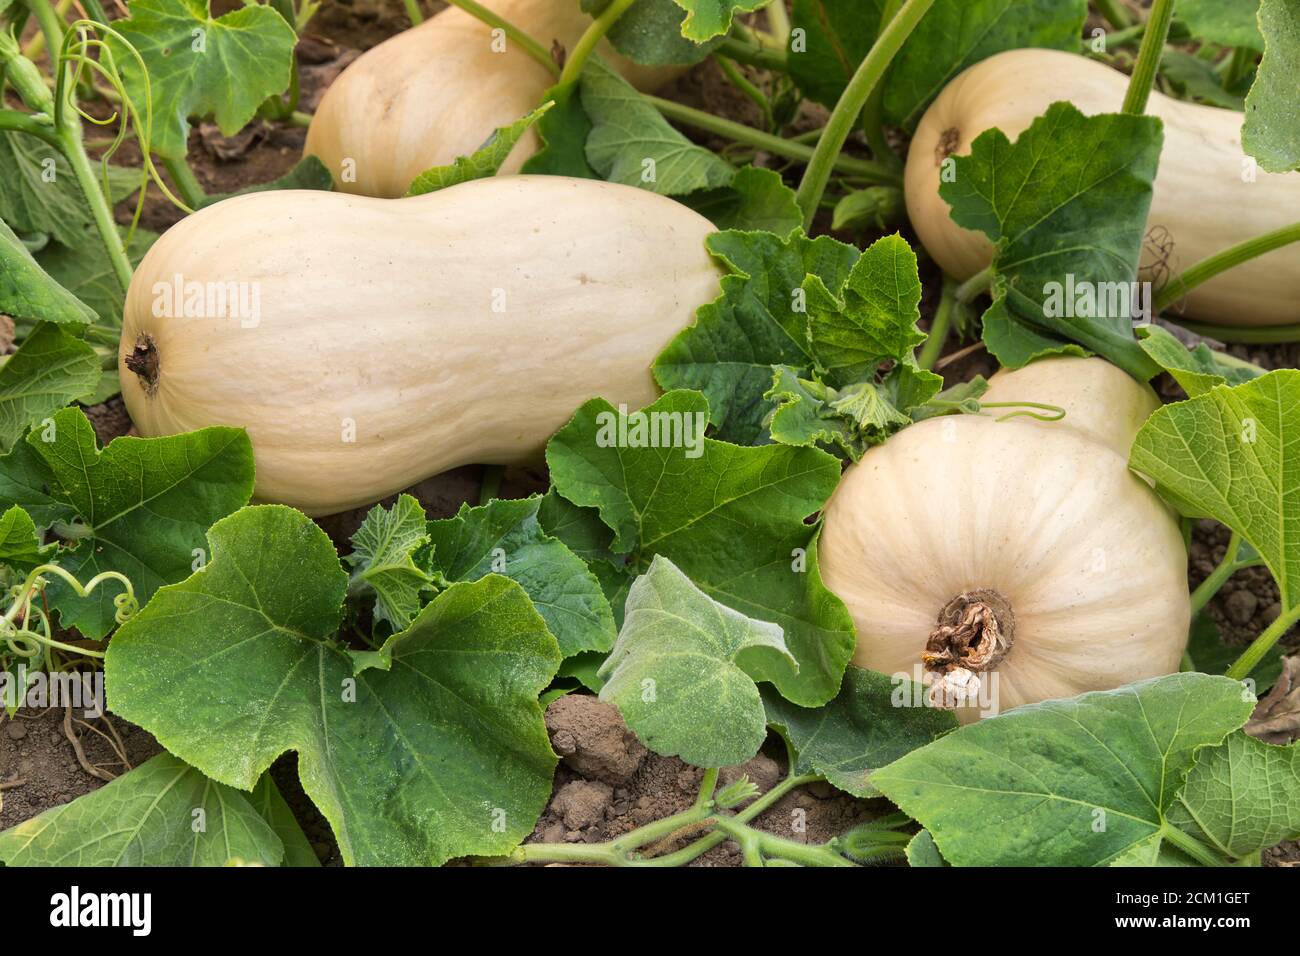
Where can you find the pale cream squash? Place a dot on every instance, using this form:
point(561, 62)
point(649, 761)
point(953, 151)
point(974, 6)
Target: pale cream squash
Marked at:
point(1208, 195)
point(1008, 562)
point(436, 92)
point(378, 342)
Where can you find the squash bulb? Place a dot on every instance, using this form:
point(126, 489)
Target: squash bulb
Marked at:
point(1009, 562)
point(1208, 195)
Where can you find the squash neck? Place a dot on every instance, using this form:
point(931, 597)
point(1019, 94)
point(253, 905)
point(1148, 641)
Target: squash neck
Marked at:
point(974, 632)
point(143, 360)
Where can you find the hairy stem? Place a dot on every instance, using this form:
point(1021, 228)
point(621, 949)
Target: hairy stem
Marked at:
point(1208, 268)
point(979, 282)
point(187, 184)
point(870, 71)
point(1148, 60)
point(582, 50)
point(752, 55)
point(1219, 576)
point(1193, 847)
point(1249, 660)
point(1116, 14)
point(778, 22)
point(873, 117)
point(527, 43)
point(741, 82)
point(777, 146)
point(939, 328)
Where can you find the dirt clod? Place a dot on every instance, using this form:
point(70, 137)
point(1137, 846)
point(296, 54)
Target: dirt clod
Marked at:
point(590, 738)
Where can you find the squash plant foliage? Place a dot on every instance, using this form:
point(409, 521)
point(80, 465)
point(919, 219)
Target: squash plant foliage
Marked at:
point(408, 671)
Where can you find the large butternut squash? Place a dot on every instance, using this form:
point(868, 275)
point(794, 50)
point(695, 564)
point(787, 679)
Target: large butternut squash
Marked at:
point(1204, 198)
point(436, 92)
point(368, 343)
point(1008, 562)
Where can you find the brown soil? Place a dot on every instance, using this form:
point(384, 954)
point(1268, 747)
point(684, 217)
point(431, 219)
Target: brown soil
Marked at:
point(609, 784)
point(39, 767)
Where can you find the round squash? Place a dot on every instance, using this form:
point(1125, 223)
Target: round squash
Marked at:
point(1011, 562)
point(366, 344)
point(1201, 202)
point(436, 92)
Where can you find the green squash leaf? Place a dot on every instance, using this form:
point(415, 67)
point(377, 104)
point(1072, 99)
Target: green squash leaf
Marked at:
point(563, 131)
point(162, 813)
point(143, 505)
point(872, 722)
point(683, 669)
point(271, 806)
point(50, 370)
point(757, 200)
point(27, 292)
point(1241, 797)
point(85, 271)
point(759, 321)
point(192, 60)
point(706, 19)
point(1076, 782)
point(921, 851)
point(1272, 131)
point(650, 33)
point(1066, 205)
point(955, 34)
point(504, 537)
point(485, 161)
point(383, 556)
point(1197, 370)
point(438, 750)
point(20, 545)
point(686, 504)
point(1229, 22)
point(1229, 454)
point(631, 143)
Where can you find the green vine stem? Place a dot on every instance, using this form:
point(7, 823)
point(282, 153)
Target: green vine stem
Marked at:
point(939, 327)
point(187, 183)
point(753, 55)
point(1253, 654)
point(527, 43)
point(1148, 59)
point(742, 83)
point(851, 103)
point(981, 281)
point(1193, 847)
point(1225, 569)
point(1246, 334)
point(873, 117)
point(620, 852)
point(51, 25)
point(1236, 66)
point(582, 50)
point(757, 844)
point(413, 12)
point(1116, 14)
point(778, 22)
point(1208, 268)
point(13, 636)
point(871, 171)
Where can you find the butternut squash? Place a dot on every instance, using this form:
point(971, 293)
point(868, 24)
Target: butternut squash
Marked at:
point(1205, 199)
point(366, 344)
point(436, 92)
point(1016, 561)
